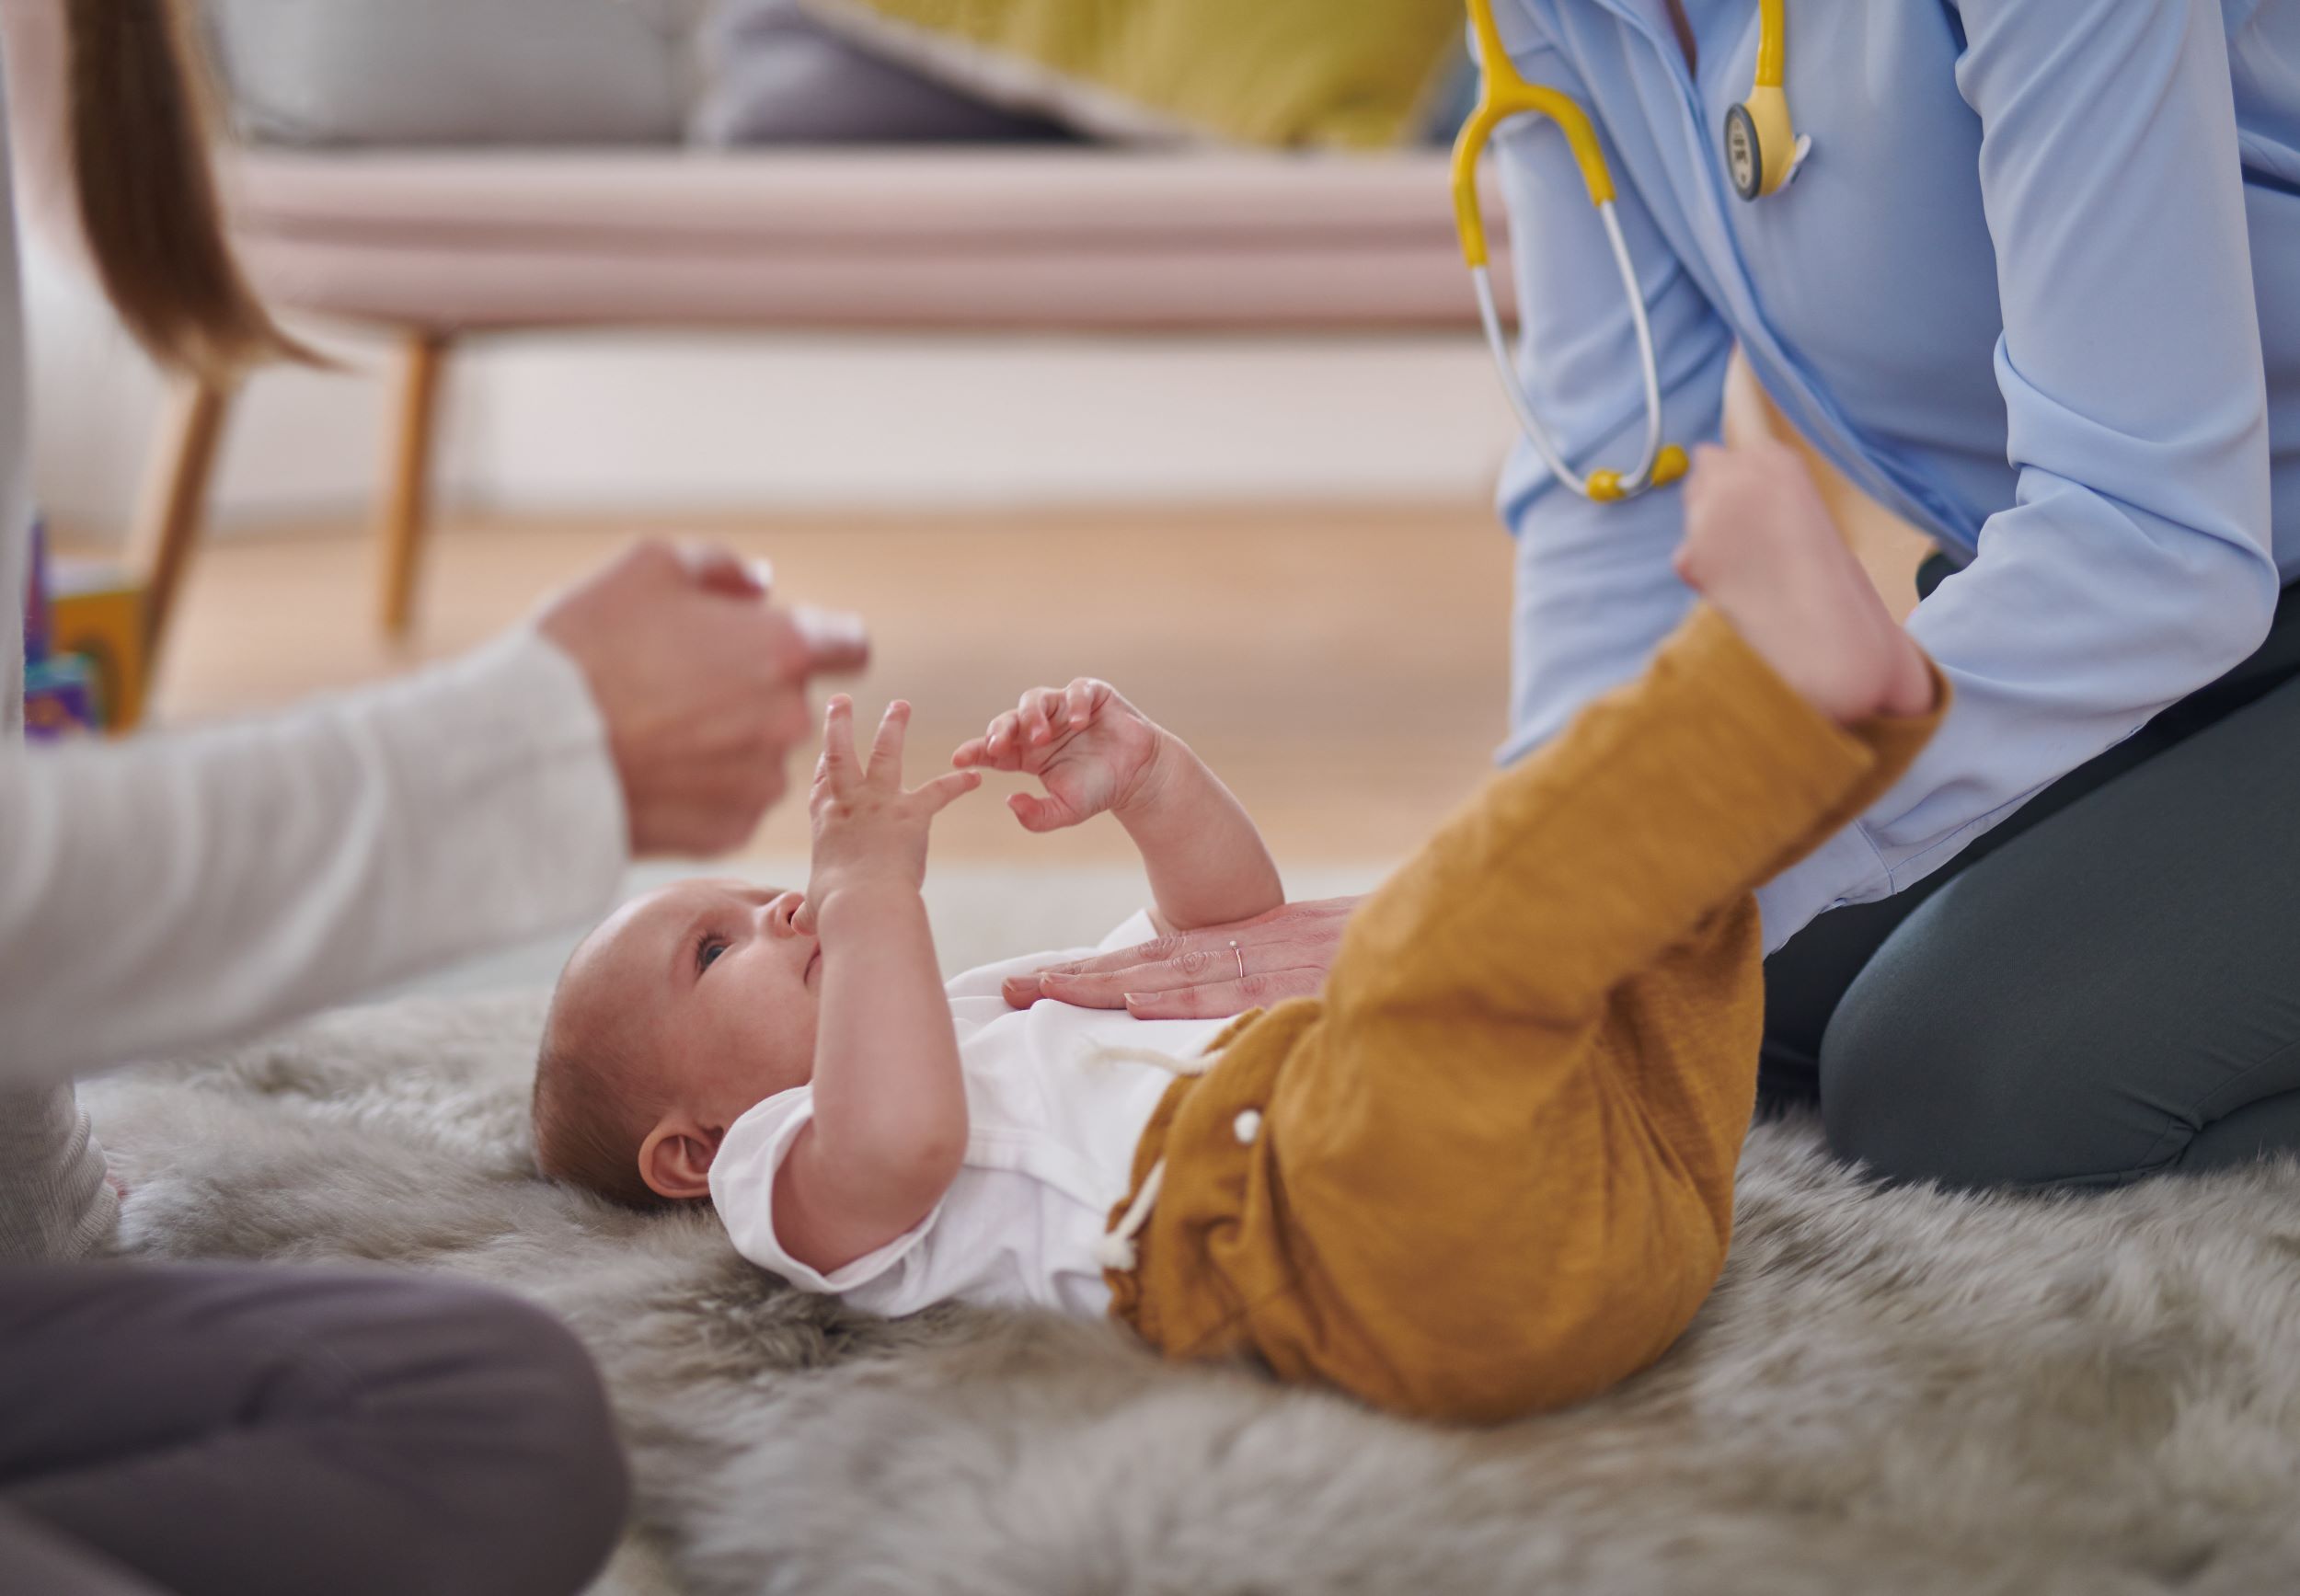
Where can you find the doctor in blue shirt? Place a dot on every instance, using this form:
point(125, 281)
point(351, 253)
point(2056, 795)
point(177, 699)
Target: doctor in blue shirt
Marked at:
point(2036, 286)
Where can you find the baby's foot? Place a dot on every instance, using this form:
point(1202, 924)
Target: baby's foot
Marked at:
point(1762, 547)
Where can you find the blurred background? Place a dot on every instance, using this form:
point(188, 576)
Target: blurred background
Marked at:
point(1124, 338)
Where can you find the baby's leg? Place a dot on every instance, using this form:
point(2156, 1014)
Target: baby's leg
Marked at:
point(1495, 1172)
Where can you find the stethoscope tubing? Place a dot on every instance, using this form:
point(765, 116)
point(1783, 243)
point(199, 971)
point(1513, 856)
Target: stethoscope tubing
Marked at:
point(1633, 481)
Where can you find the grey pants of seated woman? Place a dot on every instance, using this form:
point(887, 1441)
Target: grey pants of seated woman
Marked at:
point(2105, 986)
point(252, 1431)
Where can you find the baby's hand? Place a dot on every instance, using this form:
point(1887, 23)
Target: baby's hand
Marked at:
point(1089, 748)
point(867, 828)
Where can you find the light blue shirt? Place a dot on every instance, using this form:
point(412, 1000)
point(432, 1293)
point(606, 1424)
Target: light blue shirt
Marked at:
point(2012, 294)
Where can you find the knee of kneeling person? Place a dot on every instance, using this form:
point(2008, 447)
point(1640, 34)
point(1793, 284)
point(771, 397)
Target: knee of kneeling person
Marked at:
point(1916, 1092)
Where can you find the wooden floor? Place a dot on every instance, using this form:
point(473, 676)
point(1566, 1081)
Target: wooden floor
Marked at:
point(1344, 670)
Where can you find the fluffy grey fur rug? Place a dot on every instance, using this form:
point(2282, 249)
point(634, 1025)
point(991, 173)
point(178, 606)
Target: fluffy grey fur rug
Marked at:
point(1892, 1391)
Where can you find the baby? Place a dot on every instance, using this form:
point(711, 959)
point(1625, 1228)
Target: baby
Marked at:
point(1488, 1171)
point(796, 1058)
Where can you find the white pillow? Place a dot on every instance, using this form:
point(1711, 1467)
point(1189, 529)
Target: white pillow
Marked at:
point(470, 72)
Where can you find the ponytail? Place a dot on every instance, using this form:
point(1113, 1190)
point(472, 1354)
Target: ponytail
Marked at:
point(138, 112)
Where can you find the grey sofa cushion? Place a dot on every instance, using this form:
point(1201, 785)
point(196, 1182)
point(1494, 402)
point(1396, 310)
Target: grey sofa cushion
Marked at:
point(776, 76)
point(424, 72)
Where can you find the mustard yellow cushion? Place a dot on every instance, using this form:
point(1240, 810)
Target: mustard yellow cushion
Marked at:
point(1349, 74)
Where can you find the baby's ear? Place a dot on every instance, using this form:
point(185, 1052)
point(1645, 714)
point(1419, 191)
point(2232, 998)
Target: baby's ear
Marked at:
point(676, 1159)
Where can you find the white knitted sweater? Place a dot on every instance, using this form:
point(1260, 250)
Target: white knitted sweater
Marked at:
point(177, 888)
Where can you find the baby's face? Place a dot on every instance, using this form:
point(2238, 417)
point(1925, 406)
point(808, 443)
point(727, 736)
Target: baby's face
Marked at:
point(708, 986)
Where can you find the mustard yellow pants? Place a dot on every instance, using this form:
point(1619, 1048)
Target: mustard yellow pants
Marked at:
point(1491, 1170)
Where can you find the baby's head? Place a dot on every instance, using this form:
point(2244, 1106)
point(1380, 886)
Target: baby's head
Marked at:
point(683, 1009)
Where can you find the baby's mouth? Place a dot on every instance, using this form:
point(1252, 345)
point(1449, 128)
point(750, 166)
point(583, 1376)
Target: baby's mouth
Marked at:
point(806, 976)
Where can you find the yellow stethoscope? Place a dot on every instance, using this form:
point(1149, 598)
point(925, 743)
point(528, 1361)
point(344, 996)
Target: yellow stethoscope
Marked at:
point(1761, 152)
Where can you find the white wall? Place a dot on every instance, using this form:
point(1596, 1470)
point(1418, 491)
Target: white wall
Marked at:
point(698, 422)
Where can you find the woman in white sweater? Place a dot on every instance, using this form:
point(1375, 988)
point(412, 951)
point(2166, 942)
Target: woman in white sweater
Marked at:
point(251, 1430)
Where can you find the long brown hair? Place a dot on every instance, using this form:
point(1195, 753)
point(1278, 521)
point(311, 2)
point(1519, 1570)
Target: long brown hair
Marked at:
point(139, 127)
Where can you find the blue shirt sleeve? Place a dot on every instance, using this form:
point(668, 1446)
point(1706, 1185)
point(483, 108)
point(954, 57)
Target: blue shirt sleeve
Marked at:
point(1595, 592)
point(2135, 564)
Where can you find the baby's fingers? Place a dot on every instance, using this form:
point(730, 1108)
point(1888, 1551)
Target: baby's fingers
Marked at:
point(1040, 814)
point(886, 749)
point(1005, 741)
point(946, 789)
point(1040, 715)
point(837, 763)
point(1078, 700)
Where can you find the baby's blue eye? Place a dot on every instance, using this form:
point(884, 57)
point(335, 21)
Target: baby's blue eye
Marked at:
point(706, 953)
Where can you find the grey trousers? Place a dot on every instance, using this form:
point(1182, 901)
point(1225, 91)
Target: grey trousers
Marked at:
point(2105, 986)
point(247, 1431)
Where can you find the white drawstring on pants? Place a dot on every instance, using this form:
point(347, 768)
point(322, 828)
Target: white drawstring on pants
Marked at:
point(1116, 1250)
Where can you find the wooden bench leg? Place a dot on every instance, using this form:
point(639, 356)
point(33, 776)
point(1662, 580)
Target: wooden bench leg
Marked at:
point(406, 511)
point(176, 500)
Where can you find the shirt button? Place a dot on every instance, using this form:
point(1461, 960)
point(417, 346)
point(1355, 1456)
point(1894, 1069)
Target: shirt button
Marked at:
point(1246, 1126)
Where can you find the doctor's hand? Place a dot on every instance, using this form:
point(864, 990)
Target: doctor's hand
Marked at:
point(702, 682)
point(1206, 974)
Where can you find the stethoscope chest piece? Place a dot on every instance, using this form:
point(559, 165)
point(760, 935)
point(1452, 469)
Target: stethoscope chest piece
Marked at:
point(1743, 161)
point(1762, 149)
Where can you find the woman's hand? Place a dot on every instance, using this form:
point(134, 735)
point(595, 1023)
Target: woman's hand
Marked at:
point(1205, 974)
point(1091, 749)
point(702, 683)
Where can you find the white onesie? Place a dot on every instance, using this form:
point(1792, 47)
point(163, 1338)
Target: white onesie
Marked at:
point(1050, 1148)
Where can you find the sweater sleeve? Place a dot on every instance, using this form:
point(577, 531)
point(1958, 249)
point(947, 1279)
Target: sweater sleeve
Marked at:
point(172, 892)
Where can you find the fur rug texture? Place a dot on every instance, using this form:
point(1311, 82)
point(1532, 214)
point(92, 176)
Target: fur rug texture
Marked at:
point(1893, 1390)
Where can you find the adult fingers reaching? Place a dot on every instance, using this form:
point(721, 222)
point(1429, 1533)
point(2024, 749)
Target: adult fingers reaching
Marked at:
point(720, 570)
point(835, 640)
point(1224, 999)
point(1225, 962)
point(1220, 962)
point(700, 682)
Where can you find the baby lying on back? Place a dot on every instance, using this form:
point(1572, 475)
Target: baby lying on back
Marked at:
point(795, 1059)
point(1489, 1170)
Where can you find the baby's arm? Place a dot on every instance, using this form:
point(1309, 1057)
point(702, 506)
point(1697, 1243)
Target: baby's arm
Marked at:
point(1207, 862)
point(889, 1124)
point(1093, 751)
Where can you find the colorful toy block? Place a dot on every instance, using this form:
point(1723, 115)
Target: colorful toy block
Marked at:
point(84, 666)
point(60, 698)
point(97, 612)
